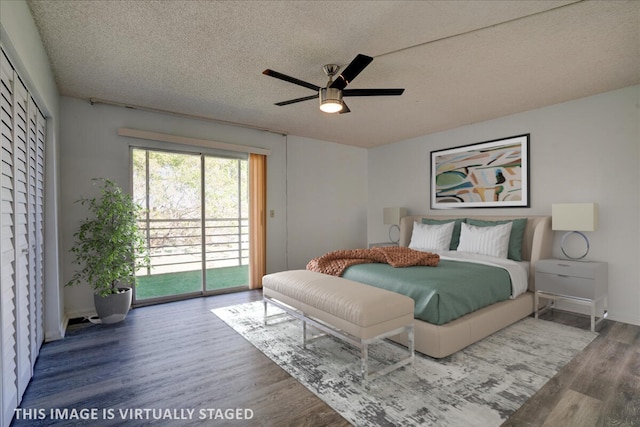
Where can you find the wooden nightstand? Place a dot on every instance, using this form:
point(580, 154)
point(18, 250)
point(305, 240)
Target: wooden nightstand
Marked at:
point(575, 281)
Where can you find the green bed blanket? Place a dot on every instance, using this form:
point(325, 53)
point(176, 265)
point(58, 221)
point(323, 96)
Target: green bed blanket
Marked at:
point(442, 293)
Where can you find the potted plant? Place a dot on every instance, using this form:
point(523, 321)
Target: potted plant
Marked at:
point(109, 247)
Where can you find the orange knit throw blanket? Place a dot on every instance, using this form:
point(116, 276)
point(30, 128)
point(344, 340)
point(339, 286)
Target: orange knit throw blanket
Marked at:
point(336, 262)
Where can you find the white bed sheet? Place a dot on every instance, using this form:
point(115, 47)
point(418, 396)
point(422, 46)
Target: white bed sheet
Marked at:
point(518, 270)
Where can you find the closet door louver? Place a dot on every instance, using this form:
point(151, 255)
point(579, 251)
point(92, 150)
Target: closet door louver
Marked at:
point(35, 241)
point(20, 179)
point(7, 247)
point(39, 225)
point(22, 157)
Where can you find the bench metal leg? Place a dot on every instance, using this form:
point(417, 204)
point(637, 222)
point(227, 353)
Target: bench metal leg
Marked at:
point(412, 343)
point(264, 320)
point(304, 334)
point(273, 316)
point(367, 375)
point(362, 344)
point(364, 361)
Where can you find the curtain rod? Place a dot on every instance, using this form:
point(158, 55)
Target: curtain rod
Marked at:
point(183, 115)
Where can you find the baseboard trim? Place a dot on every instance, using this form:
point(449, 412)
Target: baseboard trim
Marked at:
point(56, 335)
point(623, 319)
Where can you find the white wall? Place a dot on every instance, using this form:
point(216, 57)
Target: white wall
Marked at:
point(585, 150)
point(326, 208)
point(90, 147)
point(21, 40)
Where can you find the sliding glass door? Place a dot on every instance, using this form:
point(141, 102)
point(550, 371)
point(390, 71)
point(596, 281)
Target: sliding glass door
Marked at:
point(195, 222)
point(226, 217)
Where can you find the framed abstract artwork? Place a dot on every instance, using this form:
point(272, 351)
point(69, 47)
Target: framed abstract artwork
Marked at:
point(490, 174)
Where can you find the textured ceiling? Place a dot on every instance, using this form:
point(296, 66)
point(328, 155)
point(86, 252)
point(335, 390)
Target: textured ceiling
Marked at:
point(460, 62)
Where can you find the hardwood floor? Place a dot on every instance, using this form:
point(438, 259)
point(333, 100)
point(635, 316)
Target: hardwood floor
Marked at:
point(180, 357)
point(599, 387)
point(169, 356)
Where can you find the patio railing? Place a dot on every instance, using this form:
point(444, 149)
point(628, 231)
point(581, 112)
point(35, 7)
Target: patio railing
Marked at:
point(177, 244)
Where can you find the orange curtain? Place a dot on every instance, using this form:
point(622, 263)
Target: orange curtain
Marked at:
point(257, 219)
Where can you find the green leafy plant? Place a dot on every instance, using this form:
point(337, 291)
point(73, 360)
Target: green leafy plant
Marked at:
point(109, 246)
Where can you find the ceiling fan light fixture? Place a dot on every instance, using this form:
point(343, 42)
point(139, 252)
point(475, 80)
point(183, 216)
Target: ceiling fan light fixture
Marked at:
point(330, 96)
point(330, 100)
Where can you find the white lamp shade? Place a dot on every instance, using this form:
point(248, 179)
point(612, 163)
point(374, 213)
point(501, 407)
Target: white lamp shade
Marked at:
point(392, 215)
point(574, 216)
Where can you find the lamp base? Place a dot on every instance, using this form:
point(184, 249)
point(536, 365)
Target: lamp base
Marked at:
point(391, 239)
point(565, 252)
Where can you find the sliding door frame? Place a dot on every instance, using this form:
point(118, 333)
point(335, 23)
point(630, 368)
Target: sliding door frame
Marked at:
point(203, 154)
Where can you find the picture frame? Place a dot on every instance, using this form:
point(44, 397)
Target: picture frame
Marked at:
point(489, 174)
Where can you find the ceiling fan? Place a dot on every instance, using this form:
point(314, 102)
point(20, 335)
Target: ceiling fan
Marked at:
point(331, 95)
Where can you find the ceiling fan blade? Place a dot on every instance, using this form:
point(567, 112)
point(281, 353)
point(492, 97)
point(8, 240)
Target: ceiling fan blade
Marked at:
point(345, 109)
point(372, 92)
point(293, 101)
point(356, 66)
point(290, 79)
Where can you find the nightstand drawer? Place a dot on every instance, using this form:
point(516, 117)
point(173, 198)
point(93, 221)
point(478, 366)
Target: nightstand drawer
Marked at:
point(566, 285)
point(586, 270)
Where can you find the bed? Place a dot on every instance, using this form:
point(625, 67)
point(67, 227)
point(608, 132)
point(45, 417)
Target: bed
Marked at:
point(447, 337)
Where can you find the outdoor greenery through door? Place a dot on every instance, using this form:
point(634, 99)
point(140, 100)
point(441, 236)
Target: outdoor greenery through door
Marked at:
point(195, 220)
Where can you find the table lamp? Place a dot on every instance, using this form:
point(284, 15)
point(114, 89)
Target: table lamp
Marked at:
point(574, 218)
point(392, 217)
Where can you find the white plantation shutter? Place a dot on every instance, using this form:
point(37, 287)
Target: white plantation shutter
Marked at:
point(32, 212)
point(39, 251)
point(7, 247)
point(22, 136)
point(20, 166)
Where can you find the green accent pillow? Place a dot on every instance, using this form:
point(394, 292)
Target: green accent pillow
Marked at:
point(455, 237)
point(516, 237)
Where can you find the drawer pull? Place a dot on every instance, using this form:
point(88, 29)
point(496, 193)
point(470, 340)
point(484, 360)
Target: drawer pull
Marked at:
point(562, 275)
point(564, 265)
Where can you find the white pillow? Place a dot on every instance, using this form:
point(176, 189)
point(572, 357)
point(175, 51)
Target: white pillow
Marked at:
point(493, 241)
point(433, 237)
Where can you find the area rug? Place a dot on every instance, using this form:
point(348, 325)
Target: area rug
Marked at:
point(481, 385)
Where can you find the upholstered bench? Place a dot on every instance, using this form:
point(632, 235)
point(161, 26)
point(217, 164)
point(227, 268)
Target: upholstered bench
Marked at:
point(357, 313)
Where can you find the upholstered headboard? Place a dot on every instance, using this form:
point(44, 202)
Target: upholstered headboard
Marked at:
point(536, 243)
